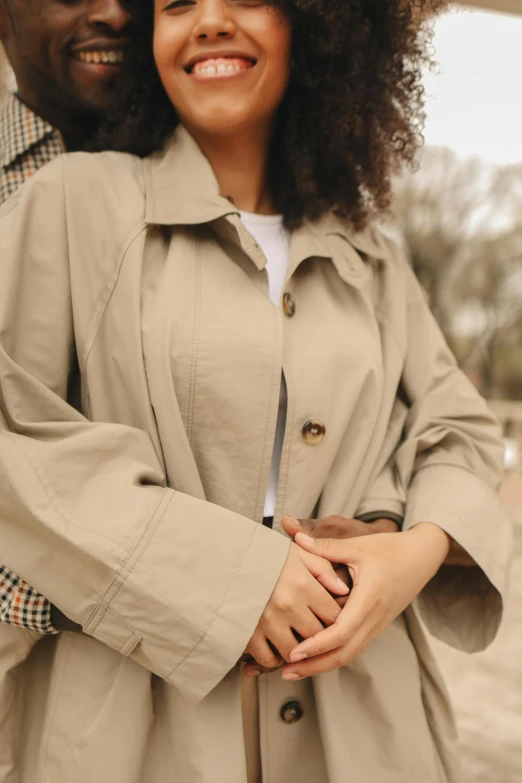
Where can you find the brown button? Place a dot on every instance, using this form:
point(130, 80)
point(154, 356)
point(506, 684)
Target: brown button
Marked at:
point(288, 305)
point(291, 712)
point(313, 432)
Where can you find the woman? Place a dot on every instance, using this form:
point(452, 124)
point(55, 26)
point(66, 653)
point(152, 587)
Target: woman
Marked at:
point(146, 288)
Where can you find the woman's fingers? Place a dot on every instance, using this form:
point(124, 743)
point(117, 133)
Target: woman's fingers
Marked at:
point(254, 669)
point(324, 573)
point(292, 526)
point(260, 650)
point(309, 625)
point(329, 661)
point(352, 618)
point(336, 551)
point(284, 640)
point(322, 605)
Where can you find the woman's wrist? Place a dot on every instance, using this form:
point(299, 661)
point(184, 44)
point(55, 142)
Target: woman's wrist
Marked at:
point(432, 539)
point(455, 554)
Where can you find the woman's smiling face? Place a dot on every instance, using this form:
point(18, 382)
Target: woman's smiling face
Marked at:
point(225, 64)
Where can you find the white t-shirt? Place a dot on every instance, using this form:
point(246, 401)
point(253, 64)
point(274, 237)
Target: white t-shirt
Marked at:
point(274, 240)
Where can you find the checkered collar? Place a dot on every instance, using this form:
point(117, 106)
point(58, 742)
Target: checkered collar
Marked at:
point(20, 129)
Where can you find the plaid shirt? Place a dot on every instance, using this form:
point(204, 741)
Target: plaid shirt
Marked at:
point(26, 144)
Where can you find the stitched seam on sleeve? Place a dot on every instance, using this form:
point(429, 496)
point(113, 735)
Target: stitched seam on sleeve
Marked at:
point(108, 610)
point(153, 523)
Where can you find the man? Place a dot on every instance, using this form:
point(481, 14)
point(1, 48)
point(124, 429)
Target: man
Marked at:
point(66, 58)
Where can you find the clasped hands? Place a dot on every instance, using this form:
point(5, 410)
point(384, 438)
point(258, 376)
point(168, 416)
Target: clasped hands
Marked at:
point(314, 622)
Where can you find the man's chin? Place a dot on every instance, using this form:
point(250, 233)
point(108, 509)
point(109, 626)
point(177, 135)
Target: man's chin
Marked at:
point(94, 86)
point(95, 102)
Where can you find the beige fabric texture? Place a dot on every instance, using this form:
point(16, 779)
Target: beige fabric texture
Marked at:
point(140, 363)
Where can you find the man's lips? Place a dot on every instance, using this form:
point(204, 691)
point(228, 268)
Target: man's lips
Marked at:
point(109, 53)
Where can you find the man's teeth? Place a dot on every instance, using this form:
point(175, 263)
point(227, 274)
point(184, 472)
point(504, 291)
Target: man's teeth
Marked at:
point(214, 67)
point(96, 57)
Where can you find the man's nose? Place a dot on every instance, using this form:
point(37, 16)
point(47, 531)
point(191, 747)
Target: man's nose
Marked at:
point(109, 13)
point(215, 21)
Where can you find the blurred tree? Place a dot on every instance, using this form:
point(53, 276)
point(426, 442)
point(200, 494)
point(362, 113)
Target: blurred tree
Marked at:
point(461, 223)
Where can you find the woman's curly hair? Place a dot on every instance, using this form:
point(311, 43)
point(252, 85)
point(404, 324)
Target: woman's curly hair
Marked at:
point(352, 115)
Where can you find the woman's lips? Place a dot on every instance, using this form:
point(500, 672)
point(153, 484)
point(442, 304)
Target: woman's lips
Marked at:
point(220, 67)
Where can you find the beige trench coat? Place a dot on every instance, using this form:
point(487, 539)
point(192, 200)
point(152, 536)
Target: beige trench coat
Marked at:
point(139, 516)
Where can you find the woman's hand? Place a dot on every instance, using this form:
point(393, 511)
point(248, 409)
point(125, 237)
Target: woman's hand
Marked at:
point(301, 603)
point(388, 571)
point(334, 526)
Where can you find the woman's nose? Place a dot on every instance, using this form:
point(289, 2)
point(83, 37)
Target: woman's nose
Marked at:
point(111, 14)
point(215, 21)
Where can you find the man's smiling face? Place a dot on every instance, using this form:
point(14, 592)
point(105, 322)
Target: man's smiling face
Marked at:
point(67, 53)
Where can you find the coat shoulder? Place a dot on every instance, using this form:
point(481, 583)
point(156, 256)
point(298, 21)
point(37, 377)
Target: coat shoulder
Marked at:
point(386, 244)
point(377, 241)
point(105, 184)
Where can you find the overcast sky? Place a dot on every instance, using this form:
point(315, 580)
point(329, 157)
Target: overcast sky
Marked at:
point(475, 99)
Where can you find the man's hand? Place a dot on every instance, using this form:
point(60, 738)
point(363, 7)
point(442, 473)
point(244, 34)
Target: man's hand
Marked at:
point(336, 526)
point(388, 572)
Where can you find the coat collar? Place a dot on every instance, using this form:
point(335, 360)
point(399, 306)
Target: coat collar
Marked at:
point(181, 189)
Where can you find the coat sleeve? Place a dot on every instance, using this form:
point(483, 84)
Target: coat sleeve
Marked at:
point(86, 517)
point(386, 494)
point(449, 465)
point(384, 499)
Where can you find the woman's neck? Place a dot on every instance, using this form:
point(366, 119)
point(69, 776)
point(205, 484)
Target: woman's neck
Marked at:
point(240, 163)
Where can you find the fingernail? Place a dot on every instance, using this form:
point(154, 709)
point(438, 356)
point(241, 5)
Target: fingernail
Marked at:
point(291, 676)
point(342, 584)
point(308, 539)
point(253, 673)
point(298, 656)
point(293, 519)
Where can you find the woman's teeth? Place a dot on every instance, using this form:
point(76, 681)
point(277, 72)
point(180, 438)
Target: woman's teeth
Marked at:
point(106, 58)
point(221, 67)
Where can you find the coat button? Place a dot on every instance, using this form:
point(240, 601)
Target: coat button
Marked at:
point(291, 712)
point(313, 432)
point(288, 305)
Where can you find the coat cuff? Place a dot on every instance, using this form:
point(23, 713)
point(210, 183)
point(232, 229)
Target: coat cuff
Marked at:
point(381, 513)
point(462, 605)
point(188, 600)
